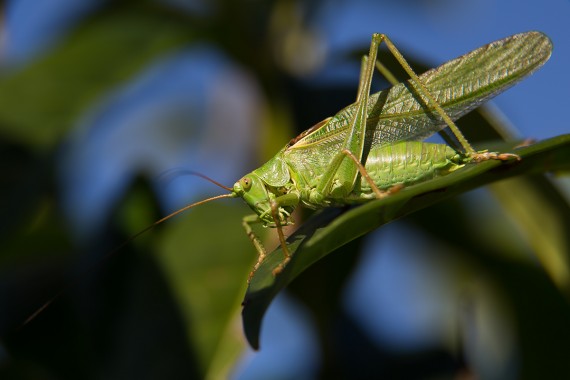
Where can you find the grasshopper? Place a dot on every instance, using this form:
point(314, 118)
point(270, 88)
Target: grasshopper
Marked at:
point(374, 147)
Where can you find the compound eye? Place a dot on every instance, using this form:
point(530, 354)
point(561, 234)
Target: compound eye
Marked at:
point(246, 183)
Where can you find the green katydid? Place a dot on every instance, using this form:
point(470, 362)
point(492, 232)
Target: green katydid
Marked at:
point(374, 146)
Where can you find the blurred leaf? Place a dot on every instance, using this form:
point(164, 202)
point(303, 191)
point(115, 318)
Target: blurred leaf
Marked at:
point(43, 100)
point(538, 308)
point(539, 210)
point(544, 217)
point(207, 274)
point(325, 232)
point(105, 320)
point(23, 186)
point(32, 262)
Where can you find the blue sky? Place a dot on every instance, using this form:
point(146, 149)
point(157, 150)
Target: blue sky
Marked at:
point(437, 34)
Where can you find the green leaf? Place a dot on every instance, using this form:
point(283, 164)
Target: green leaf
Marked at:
point(206, 276)
point(543, 215)
point(332, 228)
point(42, 101)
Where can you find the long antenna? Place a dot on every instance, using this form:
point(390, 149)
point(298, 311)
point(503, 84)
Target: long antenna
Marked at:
point(130, 239)
point(170, 173)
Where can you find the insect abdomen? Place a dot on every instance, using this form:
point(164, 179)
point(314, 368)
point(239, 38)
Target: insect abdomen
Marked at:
point(408, 163)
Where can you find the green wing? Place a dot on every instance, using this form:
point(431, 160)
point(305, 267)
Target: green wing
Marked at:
point(459, 86)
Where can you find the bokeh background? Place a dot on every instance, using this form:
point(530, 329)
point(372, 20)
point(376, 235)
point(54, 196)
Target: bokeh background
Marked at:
point(105, 106)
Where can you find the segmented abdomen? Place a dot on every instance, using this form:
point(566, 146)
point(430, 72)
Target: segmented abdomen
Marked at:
point(407, 163)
